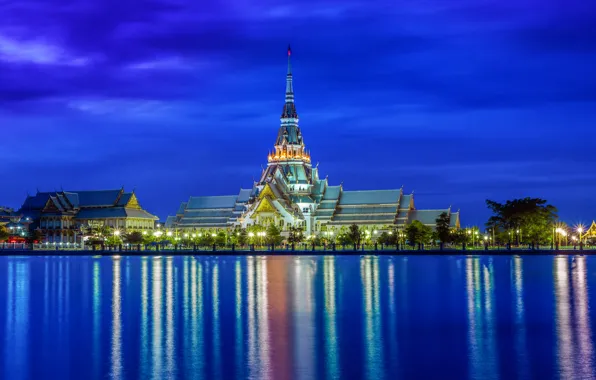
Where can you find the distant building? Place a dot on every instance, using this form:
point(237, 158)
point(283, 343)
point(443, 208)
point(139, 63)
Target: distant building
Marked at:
point(59, 216)
point(14, 222)
point(291, 193)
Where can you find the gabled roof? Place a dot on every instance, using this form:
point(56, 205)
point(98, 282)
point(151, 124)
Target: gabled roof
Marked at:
point(170, 221)
point(427, 217)
point(244, 195)
point(369, 197)
point(113, 212)
point(221, 201)
point(124, 199)
point(89, 198)
point(332, 193)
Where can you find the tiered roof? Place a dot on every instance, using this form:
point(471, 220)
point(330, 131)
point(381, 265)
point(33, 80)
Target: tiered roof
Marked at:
point(210, 211)
point(86, 204)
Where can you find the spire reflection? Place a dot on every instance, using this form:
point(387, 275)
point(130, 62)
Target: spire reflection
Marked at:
point(304, 318)
point(279, 315)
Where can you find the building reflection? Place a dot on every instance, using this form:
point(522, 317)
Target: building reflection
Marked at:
point(279, 315)
point(216, 344)
point(373, 341)
point(197, 340)
point(304, 318)
point(170, 343)
point(144, 338)
point(393, 349)
point(483, 359)
point(16, 339)
point(585, 354)
point(259, 366)
point(574, 335)
point(331, 339)
point(156, 318)
point(116, 352)
point(239, 329)
point(520, 319)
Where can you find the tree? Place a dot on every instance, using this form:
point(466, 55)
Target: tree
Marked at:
point(273, 235)
point(295, 235)
point(34, 237)
point(389, 238)
point(418, 233)
point(3, 233)
point(354, 235)
point(220, 238)
point(243, 237)
point(134, 237)
point(443, 230)
point(533, 217)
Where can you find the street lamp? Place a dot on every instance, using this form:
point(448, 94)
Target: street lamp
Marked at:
point(580, 229)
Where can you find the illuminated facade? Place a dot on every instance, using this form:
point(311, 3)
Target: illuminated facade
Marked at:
point(291, 193)
point(60, 215)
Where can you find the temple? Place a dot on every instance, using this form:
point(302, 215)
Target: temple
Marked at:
point(60, 215)
point(290, 192)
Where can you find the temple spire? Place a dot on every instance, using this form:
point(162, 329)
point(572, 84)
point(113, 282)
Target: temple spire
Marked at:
point(289, 87)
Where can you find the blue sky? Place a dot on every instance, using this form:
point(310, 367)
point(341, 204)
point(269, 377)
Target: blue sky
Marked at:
point(458, 101)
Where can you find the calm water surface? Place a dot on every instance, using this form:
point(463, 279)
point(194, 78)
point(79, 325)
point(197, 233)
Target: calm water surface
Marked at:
point(297, 317)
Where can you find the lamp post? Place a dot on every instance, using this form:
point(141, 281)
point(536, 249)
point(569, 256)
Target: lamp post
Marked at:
point(580, 229)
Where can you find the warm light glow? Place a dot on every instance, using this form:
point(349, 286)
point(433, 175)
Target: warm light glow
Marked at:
point(486, 238)
point(580, 229)
point(213, 235)
point(185, 235)
point(158, 225)
point(375, 232)
point(390, 233)
point(117, 232)
point(194, 236)
point(251, 234)
point(144, 232)
point(169, 233)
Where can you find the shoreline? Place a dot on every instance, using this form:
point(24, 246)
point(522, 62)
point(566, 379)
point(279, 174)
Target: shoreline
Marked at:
point(437, 252)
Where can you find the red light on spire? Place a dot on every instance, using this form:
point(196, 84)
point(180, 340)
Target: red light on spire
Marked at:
point(289, 51)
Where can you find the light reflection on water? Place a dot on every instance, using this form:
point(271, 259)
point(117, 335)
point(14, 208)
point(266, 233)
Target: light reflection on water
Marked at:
point(297, 317)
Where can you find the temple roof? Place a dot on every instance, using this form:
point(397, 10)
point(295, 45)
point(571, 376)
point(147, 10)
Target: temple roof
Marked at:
point(114, 212)
point(89, 198)
point(369, 197)
point(218, 201)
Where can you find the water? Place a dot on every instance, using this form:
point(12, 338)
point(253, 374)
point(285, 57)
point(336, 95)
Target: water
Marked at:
point(297, 317)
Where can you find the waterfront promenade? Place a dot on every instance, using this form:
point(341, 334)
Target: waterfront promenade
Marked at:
point(316, 251)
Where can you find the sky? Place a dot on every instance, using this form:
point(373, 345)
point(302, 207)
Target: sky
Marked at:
point(458, 101)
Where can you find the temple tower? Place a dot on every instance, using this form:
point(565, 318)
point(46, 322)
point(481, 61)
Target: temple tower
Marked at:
point(290, 154)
